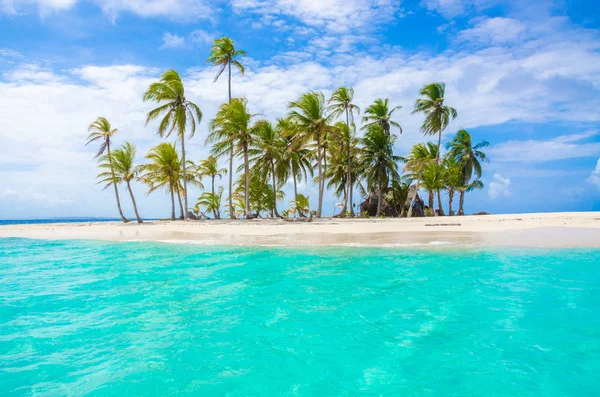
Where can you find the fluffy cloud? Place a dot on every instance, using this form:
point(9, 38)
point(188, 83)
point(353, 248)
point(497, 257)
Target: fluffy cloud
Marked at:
point(494, 30)
point(337, 16)
point(594, 177)
point(173, 41)
point(539, 151)
point(499, 187)
point(453, 8)
point(15, 6)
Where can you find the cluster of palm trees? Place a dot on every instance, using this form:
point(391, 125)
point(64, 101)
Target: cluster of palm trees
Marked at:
point(317, 134)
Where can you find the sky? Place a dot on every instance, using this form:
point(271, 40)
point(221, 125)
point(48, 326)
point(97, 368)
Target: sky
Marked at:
point(523, 75)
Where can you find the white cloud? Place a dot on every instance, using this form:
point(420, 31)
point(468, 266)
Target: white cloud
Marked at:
point(172, 41)
point(540, 151)
point(493, 30)
point(499, 187)
point(43, 6)
point(594, 177)
point(453, 8)
point(335, 16)
point(202, 37)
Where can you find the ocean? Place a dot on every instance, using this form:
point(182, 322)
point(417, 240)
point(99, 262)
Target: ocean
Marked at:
point(89, 318)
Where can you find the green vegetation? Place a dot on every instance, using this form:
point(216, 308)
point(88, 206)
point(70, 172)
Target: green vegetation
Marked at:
point(317, 141)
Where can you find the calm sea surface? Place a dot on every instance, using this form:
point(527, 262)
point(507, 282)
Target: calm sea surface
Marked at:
point(83, 318)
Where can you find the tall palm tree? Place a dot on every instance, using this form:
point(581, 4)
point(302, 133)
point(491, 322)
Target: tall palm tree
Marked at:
point(379, 163)
point(177, 114)
point(437, 115)
point(231, 132)
point(102, 130)
point(379, 113)
point(210, 168)
point(121, 169)
point(267, 154)
point(309, 113)
point(453, 174)
point(223, 54)
point(297, 158)
point(162, 171)
point(343, 151)
point(419, 156)
point(340, 103)
point(470, 157)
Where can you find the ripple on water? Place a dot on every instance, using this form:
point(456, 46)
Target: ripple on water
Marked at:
point(81, 318)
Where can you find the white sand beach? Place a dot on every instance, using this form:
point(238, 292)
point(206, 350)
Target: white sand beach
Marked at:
point(544, 230)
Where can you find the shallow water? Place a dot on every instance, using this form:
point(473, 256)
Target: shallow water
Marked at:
point(84, 318)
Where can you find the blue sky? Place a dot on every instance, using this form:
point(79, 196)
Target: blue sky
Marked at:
point(525, 77)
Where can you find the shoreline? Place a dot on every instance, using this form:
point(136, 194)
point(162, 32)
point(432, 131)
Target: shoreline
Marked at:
point(541, 230)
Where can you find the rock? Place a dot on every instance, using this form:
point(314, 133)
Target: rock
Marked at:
point(192, 216)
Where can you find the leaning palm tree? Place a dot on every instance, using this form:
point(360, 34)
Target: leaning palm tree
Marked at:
point(341, 103)
point(177, 114)
point(210, 168)
point(379, 163)
point(437, 115)
point(162, 171)
point(223, 54)
point(266, 152)
point(102, 130)
point(211, 201)
point(121, 169)
point(231, 133)
point(470, 157)
point(312, 124)
point(379, 113)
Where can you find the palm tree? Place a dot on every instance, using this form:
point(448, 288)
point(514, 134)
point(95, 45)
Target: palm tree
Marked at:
point(211, 201)
point(340, 103)
point(419, 156)
point(433, 180)
point(300, 204)
point(224, 54)
point(379, 163)
point(121, 169)
point(343, 151)
point(312, 124)
point(176, 112)
point(437, 115)
point(296, 158)
point(475, 185)
point(162, 170)
point(231, 132)
point(102, 130)
point(454, 180)
point(267, 153)
point(470, 157)
point(260, 193)
point(210, 168)
point(379, 113)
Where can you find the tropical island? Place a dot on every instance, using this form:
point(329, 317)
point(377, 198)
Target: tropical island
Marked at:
point(318, 142)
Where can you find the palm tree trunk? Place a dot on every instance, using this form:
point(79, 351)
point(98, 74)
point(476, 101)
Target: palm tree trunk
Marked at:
point(179, 199)
point(229, 67)
point(345, 207)
point(378, 201)
point(320, 204)
point(461, 203)
point(231, 210)
point(413, 198)
point(213, 193)
point(430, 203)
point(296, 194)
point(450, 197)
point(185, 200)
point(172, 203)
point(112, 171)
point(247, 182)
point(439, 196)
point(137, 215)
point(348, 170)
point(274, 189)
point(439, 144)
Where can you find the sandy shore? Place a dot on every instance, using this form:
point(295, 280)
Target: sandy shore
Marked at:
point(520, 230)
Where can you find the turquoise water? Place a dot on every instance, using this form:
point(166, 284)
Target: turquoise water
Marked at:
point(82, 318)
